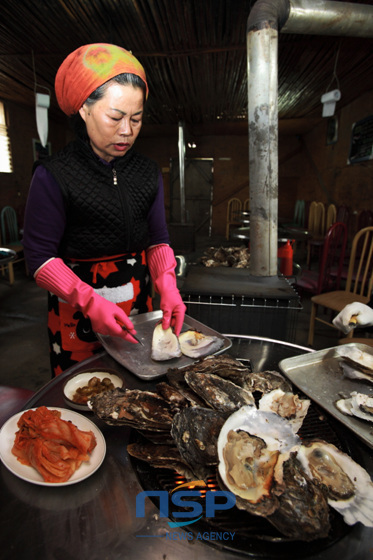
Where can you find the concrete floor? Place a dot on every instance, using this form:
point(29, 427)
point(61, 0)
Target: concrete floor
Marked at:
point(24, 352)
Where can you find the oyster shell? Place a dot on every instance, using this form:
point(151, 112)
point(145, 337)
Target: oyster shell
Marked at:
point(165, 344)
point(287, 405)
point(354, 373)
point(249, 446)
point(357, 358)
point(161, 457)
point(195, 432)
point(302, 511)
point(266, 381)
point(222, 365)
point(349, 487)
point(133, 407)
point(359, 405)
point(219, 393)
point(195, 344)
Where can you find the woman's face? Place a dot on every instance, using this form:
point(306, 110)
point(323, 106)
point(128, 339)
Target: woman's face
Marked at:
point(114, 121)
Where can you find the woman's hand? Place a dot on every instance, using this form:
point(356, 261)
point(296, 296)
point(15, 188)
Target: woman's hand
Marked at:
point(162, 264)
point(106, 317)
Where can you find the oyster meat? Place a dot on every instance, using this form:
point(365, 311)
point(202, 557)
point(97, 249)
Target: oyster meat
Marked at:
point(358, 404)
point(349, 487)
point(287, 405)
point(195, 344)
point(266, 381)
point(249, 446)
point(165, 344)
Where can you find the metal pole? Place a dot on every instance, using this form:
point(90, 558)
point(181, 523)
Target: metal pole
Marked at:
point(265, 19)
point(263, 150)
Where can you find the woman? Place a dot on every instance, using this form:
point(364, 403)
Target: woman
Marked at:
point(95, 222)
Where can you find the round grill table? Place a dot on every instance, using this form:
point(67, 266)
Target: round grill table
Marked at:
point(95, 519)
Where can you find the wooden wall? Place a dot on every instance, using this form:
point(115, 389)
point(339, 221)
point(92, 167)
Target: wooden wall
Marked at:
point(309, 169)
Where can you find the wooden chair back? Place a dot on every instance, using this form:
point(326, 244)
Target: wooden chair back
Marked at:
point(360, 268)
point(331, 216)
point(316, 219)
point(246, 205)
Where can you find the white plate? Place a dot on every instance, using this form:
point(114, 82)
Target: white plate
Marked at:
point(81, 379)
point(86, 469)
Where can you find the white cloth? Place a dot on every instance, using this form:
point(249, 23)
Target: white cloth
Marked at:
point(363, 313)
point(42, 106)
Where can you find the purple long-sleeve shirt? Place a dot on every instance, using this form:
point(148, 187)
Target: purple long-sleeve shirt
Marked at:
point(45, 219)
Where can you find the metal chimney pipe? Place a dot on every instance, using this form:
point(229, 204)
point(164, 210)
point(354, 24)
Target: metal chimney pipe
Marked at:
point(266, 18)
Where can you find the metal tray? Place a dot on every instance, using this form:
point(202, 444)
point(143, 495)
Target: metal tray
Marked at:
point(320, 376)
point(137, 358)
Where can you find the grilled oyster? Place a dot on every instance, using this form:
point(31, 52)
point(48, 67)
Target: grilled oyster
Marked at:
point(195, 431)
point(218, 393)
point(359, 405)
point(195, 344)
point(223, 365)
point(349, 487)
point(165, 344)
point(161, 457)
point(266, 381)
point(287, 405)
point(302, 512)
point(132, 407)
point(249, 446)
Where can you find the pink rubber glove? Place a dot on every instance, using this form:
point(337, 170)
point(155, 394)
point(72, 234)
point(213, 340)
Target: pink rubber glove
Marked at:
point(161, 262)
point(106, 317)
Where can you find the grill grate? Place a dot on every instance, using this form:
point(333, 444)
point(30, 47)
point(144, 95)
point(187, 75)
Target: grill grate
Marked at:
point(254, 536)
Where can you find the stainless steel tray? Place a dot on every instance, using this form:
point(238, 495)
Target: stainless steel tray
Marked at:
point(320, 377)
point(137, 358)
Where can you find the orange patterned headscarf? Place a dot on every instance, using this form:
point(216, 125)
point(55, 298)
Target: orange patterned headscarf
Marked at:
point(87, 68)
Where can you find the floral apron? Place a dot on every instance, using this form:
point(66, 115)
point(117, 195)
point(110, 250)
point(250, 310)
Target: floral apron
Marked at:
point(122, 279)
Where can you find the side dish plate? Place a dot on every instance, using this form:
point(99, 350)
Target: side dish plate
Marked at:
point(137, 358)
point(80, 380)
point(319, 375)
point(86, 469)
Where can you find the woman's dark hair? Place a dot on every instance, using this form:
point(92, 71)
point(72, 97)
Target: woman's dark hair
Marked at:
point(76, 120)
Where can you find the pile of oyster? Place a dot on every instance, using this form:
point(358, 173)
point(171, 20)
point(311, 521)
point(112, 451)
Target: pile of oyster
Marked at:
point(217, 418)
point(356, 364)
point(235, 257)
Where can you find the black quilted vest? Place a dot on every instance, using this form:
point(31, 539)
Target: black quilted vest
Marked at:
point(103, 218)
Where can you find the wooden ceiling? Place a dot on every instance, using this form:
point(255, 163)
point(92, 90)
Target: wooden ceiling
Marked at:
point(194, 53)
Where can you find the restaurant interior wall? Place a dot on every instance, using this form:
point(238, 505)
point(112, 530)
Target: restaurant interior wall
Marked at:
point(309, 168)
point(22, 130)
point(321, 170)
